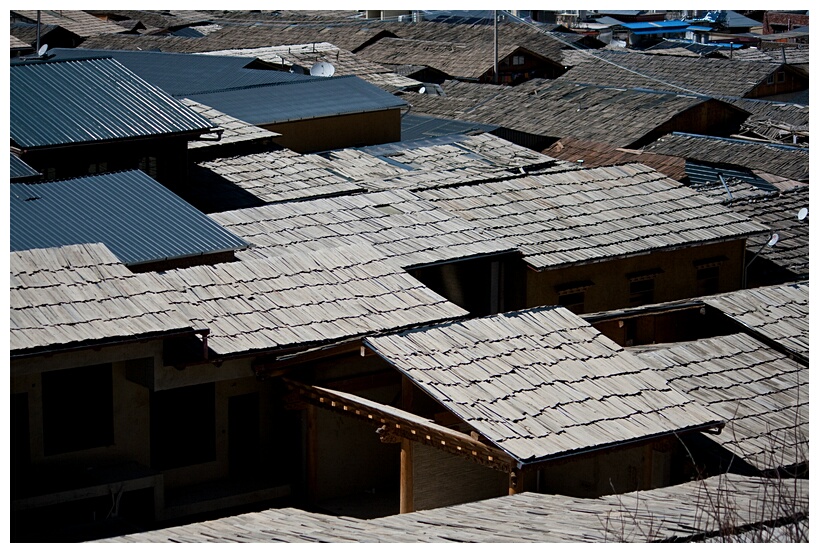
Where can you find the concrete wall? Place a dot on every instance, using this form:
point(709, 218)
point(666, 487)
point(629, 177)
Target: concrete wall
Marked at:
point(340, 131)
point(611, 287)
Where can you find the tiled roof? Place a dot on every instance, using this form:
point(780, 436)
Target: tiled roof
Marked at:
point(582, 216)
point(784, 54)
point(761, 394)
point(404, 230)
point(275, 176)
point(712, 77)
point(233, 130)
point(775, 313)
point(779, 211)
point(81, 23)
point(786, 161)
point(75, 102)
point(557, 108)
point(17, 44)
point(415, 127)
point(540, 383)
point(597, 154)
point(137, 218)
point(303, 299)
point(665, 514)
point(80, 295)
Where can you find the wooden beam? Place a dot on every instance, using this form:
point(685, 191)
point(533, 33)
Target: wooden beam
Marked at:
point(312, 453)
point(406, 501)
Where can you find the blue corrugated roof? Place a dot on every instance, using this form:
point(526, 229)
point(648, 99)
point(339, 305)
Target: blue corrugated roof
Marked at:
point(647, 25)
point(414, 127)
point(20, 170)
point(661, 31)
point(325, 97)
point(181, 75)
point(73, 102)
point(137, 218)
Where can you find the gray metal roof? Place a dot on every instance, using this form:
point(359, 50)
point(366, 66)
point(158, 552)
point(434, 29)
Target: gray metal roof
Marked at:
point(665, 514)
point(63, 297)
point(540, 383)
point(137, 218)
point(299, 100)
point(761, 394)
point(185, 74)
point(75, 102)
point(20, 170)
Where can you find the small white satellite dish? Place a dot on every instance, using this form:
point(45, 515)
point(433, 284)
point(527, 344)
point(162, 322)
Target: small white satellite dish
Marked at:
point(774, 239)
point(43, 49)
point(422, 90)
point(322, 69)
point(803, 214)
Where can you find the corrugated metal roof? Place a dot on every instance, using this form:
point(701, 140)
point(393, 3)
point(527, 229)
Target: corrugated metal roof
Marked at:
point(319, 97)
point(185, 74)
point(540, 383)
point(20, 170)
point(673, 513)
point(703, 173)
point(137, 218)
point(74, 102)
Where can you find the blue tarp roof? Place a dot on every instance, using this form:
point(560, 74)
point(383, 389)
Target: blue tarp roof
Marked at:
point(181, 75)
point(137, 218)
point(72, 102)
point(319, 97)
point(19, 169)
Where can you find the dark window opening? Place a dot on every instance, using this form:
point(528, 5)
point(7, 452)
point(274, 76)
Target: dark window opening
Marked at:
point(780, 76)
point(78, 409)
point(183, 426)
point(707, 281)
point(573, 302)
point(641, 292)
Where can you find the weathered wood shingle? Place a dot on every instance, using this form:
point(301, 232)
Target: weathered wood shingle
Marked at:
point(540, 383)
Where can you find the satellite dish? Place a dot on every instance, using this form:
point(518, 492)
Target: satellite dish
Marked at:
point(43, 49)
point(774, 239)
point(422, 90)
point(322, 69)
point(803, 214)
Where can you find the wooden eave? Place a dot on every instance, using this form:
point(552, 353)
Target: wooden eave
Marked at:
point(396, 423)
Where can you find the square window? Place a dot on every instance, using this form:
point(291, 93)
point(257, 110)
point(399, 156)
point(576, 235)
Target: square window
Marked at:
point(183, 426)
point(707, 281)
point(517, 60)
point(78, 409)
point(641, 291)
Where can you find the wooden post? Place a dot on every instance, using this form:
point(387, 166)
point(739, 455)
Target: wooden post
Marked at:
point(406, 487)
point(312, 454)
point(406, 500)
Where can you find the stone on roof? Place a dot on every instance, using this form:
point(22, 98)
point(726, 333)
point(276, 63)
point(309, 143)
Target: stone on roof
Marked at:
point(83, 295)
point(618, 211)
point(540, 383)
point(301, 300)
point(761, 394)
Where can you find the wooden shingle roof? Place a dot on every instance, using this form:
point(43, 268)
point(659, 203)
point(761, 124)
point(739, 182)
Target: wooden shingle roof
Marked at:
point(761, 394)
point(79, 22)
point(83, 295)
point(301, 300)
point(597, 154)
point(674, 513)
point(405, 230)
point(786, 161)
point(709, 76)
point(557, 108)
point(775, 313)
point(778, 210)
point(540, 383)
point(233, 130)
point(583, 216)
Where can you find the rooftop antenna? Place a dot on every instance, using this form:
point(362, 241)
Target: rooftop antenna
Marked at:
point(495, 67)
point(322, 69)
point(38, 31)
point(803, 214)
point(772, 241)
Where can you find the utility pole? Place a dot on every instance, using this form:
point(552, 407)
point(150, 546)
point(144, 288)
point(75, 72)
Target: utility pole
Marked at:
point(495, 14)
